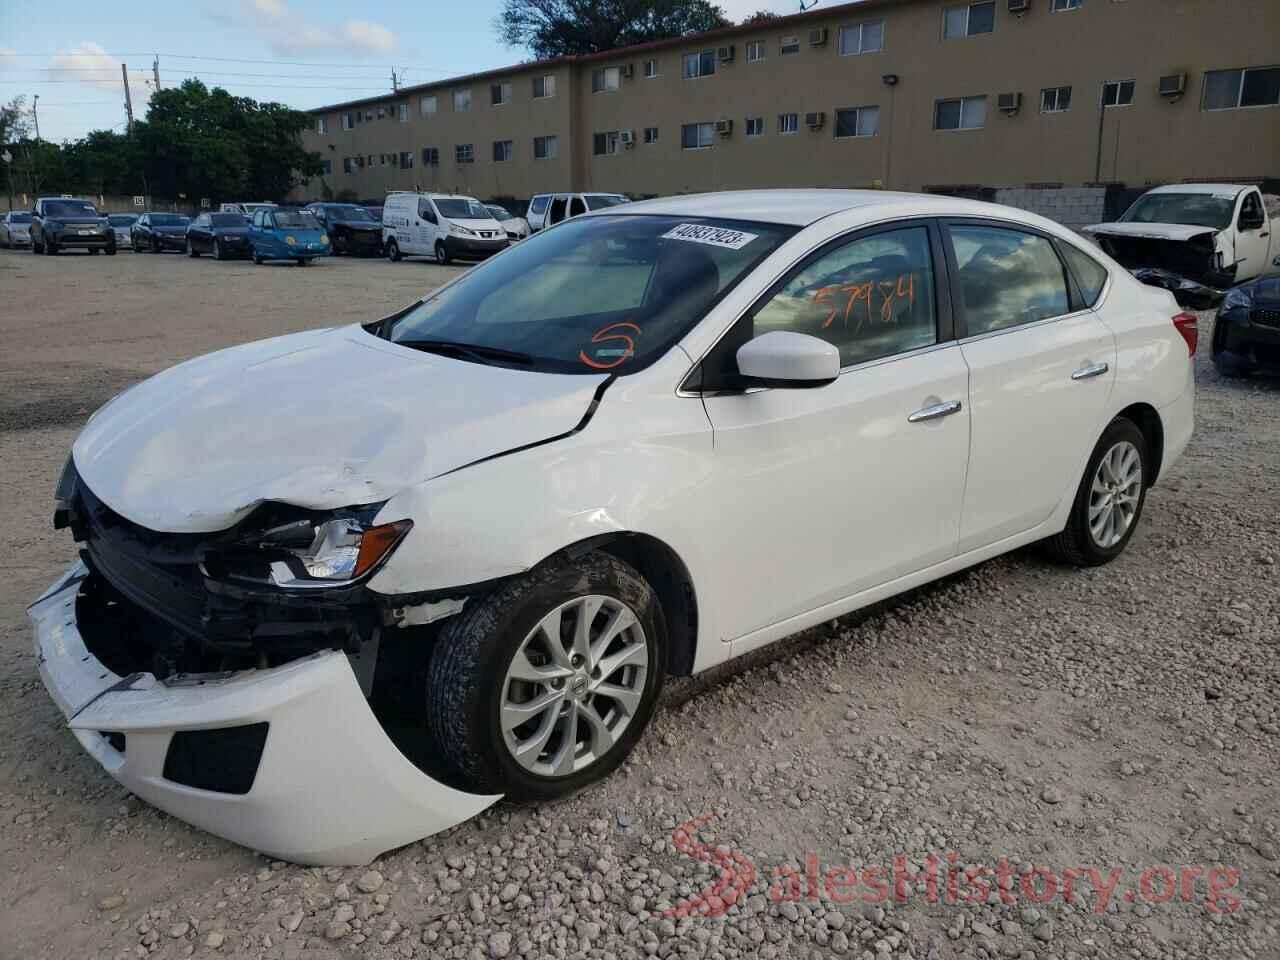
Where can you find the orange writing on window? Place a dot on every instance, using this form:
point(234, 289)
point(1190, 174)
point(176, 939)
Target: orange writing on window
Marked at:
point(891, 293)
point(613, 332)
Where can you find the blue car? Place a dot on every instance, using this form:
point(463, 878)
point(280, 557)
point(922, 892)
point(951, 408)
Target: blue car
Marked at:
point(287, 235)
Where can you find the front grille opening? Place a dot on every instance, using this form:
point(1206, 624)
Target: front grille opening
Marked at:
point(224, 760)
point(115, 738)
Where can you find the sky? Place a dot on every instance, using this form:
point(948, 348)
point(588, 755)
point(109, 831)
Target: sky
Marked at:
point(305, 53)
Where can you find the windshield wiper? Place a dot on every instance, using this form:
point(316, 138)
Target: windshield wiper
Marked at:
point(477, 351)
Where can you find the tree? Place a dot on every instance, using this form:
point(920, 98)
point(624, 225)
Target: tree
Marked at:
point(760, 16)
point(14, 127)
point(555, 28)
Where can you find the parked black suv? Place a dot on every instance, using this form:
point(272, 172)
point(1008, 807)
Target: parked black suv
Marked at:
point(59, 223)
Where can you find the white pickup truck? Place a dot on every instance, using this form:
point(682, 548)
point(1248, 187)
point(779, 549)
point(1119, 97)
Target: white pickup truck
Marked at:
point(1195, 239)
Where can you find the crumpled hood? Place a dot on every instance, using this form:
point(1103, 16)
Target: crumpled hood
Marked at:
point(1154, 231)
point(322, 419)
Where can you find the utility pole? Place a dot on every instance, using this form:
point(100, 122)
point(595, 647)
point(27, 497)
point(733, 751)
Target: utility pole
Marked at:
point(128, 101)
point(395, 83)
point(155, 70)
point(35, 102)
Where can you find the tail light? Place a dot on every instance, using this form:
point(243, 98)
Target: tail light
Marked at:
point(1188, 324)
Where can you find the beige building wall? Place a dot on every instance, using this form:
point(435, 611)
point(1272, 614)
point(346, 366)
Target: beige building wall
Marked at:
point(1151, 141)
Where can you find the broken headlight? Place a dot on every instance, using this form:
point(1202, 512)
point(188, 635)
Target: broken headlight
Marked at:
point(310, 553)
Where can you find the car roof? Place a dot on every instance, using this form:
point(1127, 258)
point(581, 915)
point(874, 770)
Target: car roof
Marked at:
point(802, 207)
point(1216, 189)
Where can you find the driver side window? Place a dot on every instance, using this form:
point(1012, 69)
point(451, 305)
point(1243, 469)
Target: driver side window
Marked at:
point(1251, 213)
point(871, 297)
point(425, 211)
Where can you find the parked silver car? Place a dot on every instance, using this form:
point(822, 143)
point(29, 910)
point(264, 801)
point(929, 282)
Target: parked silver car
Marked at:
point(15, 229)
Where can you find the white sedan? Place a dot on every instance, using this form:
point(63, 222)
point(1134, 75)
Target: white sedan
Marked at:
point(345, 588)
point(516, 228)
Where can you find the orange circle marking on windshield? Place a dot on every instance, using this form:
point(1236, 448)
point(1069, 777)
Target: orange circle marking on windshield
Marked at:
point(605, 334)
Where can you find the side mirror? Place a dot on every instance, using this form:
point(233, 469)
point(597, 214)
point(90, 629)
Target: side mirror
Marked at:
point(784, 359)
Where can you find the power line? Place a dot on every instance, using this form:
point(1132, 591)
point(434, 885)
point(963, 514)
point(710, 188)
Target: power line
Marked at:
point(203, 73)
point(283, 63)
point(255, 86)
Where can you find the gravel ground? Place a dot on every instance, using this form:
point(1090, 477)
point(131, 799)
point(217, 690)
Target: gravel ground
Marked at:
point(1124, 719)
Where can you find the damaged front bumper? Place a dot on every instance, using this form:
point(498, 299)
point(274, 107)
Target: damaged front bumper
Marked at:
point(290, 761)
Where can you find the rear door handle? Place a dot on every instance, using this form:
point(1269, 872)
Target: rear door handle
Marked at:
point(1089, 372)
point(935, 411)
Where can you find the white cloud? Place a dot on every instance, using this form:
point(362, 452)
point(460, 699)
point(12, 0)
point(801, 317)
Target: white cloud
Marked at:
point(290, 32)
point(92, 65)
point(739, 10)
point(8, 57)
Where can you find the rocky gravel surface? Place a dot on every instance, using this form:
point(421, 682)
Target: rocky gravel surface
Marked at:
point(1096, 749)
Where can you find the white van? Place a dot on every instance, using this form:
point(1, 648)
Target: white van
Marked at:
point(548, 209)
point(439, 225)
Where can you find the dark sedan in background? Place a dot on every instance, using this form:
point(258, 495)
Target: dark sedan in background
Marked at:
point(1246, 335)
point(225, 235)
point(352, 229)
point(159, 231)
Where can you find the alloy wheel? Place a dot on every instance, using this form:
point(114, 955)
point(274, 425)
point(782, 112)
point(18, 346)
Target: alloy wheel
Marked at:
point(574, 685)
point(1115, 494)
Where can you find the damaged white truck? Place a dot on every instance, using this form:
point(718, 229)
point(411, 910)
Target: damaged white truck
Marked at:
point(1194, 239)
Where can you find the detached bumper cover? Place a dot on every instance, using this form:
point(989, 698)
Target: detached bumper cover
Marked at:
point(1188, 292)
point(329, 788)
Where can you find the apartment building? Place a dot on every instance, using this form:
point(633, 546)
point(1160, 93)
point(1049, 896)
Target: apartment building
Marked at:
point(966, 97)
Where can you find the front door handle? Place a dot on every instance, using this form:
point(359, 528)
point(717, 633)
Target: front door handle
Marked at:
point(1090, 371)
point(935, 411)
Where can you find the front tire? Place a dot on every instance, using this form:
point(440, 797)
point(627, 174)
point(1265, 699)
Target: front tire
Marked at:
point(191, 249)
point(546, 685)
point(1108, 503)
point(442, 254)
point(155, 245)
point(217, 250)
point(257, 258)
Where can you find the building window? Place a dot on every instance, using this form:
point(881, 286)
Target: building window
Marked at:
point(322, 126)
point(964, 113)
point(406, 160)
point(502, 151)
point(544, 86)
point(788, 123)
point(382, 159)
point(755, 126)
point(427, 106)
point(461, 100)
point(1252, 87)
point(860, 38)
point(969, 20)
point(1055, 99)
point(500, 93)
point(606, 79)
point(650, 69)
point(604, 144)
point(545, 148)
point(326, 167)
point(755, 51)
point(699, 64)
point(431, 156)
point(403, 111)
point(1061, 6)
point(650, 134)
point(696, 136)
point(348, 165)
point(382, 113)
point(1117, 93)
point(858, 122)
point(348, 120)
point(464, 153)
point(789, 45)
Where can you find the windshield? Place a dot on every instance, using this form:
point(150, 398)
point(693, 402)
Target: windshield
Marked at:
point(169, 220)
point(19, 218)
point(598, 201)
point(498, 213)
point(1194, 209)
point(462, 209)
point(69, 208)
point(228, 219)
point(599, 294)
point(348, 214)
point(301, 219)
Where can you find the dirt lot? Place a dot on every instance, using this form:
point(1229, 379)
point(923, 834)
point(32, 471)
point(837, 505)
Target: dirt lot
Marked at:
point(1124, 720)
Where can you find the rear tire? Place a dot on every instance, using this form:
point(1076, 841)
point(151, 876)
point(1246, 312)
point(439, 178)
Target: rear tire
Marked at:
point(1104, 493)
point(155, 245)
point(472, 687)
point(393, 251)
point(111, 251)
point(50, 248)
point(257, 258)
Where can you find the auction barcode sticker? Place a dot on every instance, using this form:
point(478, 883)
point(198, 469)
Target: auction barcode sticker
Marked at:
point(712, 236)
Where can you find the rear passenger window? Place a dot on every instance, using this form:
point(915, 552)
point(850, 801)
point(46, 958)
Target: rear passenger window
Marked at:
point(539, 205)
point(1006, 278)
point(871, 297)
point(1091, 276)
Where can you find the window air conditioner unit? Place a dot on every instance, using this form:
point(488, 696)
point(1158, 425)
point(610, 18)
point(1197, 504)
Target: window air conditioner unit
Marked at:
point(1009, 102)
point(1019, 6)
point(724, 127)
point(1174, 85)
point(627, 137)
point(818, 37)
point(814, 121)
point(628, 71)
point(725, 54)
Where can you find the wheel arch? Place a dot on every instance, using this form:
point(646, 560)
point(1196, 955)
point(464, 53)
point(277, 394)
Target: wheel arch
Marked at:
point(1147, 419)
point(667, 573)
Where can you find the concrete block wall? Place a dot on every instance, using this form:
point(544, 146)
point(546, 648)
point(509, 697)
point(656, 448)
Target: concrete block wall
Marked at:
point(1073, 207)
